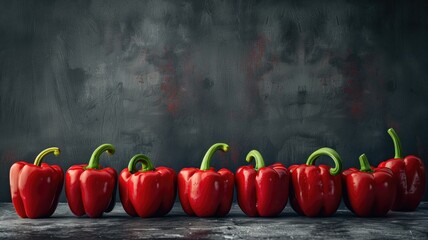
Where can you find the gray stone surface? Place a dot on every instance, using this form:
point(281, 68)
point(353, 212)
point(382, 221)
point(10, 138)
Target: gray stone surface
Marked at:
point(118, 225)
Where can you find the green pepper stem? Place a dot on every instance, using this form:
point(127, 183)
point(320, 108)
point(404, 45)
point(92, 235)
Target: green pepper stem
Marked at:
point(397, 143)
point(260, 163)
point(329, 152)
point(205, 165)
point(147, 164)
point(38, 160)
point(364, 164)
point(95, 158)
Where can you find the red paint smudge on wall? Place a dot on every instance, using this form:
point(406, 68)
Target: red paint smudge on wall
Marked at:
point(353, 87)
point(255, 58)
point(235, 151)
point(361, 81)
point(255, 63)
point(169, 85)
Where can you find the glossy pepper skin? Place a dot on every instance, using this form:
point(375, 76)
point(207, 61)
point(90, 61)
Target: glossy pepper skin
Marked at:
point(316, 191)
point(89, 188)
point(203, 191)
point(368, 192)
point(262, 190)
point(409, 174)
point(35, 188)
point(149, 192)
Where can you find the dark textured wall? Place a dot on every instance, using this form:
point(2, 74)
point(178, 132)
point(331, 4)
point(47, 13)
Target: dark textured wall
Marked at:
point(169, 78)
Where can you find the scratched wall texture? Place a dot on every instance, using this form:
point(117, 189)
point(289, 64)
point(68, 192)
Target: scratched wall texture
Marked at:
point(169, 78)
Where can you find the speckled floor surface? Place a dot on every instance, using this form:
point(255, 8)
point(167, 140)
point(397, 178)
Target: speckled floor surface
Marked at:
point(118, 225)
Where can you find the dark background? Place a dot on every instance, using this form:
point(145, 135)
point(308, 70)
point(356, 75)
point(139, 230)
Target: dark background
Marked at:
point(170, 78)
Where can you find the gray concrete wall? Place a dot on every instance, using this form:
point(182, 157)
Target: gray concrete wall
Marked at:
point(169, 78)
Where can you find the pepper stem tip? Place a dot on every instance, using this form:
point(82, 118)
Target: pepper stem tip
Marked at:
point(257, 156)
point(205, 165)
point(95, 158)
point(38, 160)
point(332, 154)
point(364, 164)
point(146, 163)
point(397, 142)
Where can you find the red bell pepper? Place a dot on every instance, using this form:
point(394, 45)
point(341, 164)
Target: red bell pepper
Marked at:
point(316, 190)
point(204, 192)
point(89, 188)
point(369, 192)
point(148, 192)
point(35, 188)
point(409, 174)
point(261, 191)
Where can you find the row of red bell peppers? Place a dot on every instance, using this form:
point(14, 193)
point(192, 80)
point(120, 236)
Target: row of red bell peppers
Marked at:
point(396, 184)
